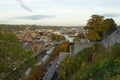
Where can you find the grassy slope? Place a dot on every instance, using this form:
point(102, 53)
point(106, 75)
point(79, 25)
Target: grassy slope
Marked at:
point(95, 63)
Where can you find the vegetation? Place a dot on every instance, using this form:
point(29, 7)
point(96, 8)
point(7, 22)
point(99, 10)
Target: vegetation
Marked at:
point(64, 47)
point(58, 38)
point(94, 63)
point(76, 39)
point(81, 35)
point(12, 55)
point(97, 25)
point(37, 72)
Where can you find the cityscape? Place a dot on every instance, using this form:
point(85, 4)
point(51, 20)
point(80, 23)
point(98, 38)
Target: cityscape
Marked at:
point(59, 40)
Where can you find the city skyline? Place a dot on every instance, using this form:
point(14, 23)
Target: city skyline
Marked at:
point(56, 12)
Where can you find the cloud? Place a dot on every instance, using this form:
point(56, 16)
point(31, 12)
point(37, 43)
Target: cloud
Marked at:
point(111, 15)
point(23, 5)
point(35, 17)
point(5, 21)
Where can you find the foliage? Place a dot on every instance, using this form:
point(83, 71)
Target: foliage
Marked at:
point(56, 37)
point(97, 25)
point(36, 72)
point(11, 53)
point(81, 35)
point(63, 47)
point(94, 63)
point(76, 39)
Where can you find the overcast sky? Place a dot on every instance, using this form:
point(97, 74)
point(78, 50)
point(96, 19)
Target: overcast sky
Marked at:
point(56, 12)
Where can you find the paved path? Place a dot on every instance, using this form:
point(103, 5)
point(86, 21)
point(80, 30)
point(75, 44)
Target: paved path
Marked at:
point(49, 74)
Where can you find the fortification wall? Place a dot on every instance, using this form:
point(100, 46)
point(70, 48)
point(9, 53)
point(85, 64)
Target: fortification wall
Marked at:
point(79, 47)
point(112, 39)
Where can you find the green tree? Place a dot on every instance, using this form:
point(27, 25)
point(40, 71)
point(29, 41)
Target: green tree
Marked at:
point(76, 39)
point(108, 27)
point(97, 25)
point(57, 37)
point(12, 55)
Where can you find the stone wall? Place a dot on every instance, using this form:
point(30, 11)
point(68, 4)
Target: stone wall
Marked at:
point(112, 39)
point(74, 49)
point(79, 47)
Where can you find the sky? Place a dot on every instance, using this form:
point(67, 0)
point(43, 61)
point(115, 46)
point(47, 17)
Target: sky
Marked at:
point(57, 12)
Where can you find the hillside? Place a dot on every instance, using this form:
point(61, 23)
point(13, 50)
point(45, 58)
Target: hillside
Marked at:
point(99, 62)
point(94, 63)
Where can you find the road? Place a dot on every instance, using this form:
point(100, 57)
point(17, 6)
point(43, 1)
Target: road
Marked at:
point(49, 74)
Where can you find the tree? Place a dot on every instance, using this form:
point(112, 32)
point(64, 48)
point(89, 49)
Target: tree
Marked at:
point(36, 72)
point(76, 39)
point(108, 27)
point(108, 24)
point(57, 37)
point(97, 25)
point(93, 27)
point(11, 53)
